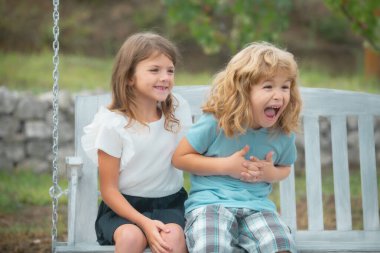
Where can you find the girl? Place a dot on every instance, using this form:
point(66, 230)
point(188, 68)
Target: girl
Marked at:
point(252, 111)
point(132, 142)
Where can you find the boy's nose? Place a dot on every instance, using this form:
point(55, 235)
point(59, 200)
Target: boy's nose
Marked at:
point(276, 94)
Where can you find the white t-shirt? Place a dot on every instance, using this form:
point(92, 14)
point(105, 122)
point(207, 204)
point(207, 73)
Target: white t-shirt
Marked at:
point(145, 152)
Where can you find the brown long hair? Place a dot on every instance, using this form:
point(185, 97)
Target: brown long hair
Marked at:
point(135, 49)
point(229, 98)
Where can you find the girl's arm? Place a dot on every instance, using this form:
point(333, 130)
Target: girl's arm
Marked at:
point(188, 159)
point(109, 188)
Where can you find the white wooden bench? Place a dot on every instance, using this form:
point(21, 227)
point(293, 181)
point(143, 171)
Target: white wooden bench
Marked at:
point(336, 105)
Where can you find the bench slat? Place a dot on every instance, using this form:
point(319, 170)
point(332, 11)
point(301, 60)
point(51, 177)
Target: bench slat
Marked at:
point(341, 173)
point(313, 173)
point(368, 173)
point(195, 96)
point(87, 192)
point(328, 102)
point(288, 201)
point(341, 241)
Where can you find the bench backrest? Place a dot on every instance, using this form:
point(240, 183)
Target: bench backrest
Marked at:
point(336, 105)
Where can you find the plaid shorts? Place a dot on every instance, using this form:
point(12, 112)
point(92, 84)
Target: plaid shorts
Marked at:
point(215, 228)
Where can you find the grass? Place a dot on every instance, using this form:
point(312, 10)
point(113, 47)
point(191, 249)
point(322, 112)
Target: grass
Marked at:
point(25, 188)
point(33, 72)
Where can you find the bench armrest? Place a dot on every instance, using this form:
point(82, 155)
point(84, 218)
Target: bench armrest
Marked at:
point(74, 166)
point(74, 161)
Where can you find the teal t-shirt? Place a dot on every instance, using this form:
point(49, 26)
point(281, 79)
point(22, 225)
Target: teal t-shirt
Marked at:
point(207, 139)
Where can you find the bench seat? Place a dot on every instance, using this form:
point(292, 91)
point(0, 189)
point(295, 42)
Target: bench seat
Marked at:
point(335, 105)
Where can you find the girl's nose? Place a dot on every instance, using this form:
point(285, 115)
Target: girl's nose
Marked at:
point(164, 77)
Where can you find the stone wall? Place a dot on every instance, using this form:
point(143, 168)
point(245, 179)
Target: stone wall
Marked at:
point(26, 130)
point(26, 127)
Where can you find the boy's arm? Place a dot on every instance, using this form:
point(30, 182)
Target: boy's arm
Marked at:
point(188, 159)
point(273, 174)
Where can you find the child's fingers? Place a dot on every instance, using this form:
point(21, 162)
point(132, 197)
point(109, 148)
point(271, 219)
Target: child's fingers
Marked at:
point(254, 159)
point(162, 226)
point(244, 151)
point(269, 156)
point(248, 177)
point(255, 173)
point(161, 245)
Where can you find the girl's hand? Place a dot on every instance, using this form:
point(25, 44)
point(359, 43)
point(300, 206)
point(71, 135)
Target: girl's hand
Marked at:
point(152, 230)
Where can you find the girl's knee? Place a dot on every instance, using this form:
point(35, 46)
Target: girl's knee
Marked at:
point(175, 238)
point(129, 237)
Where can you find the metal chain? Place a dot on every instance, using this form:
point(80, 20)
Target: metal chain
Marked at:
point(55, 190)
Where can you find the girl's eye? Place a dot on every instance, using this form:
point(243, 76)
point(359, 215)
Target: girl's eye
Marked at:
point(171, 71)
point(153, 70)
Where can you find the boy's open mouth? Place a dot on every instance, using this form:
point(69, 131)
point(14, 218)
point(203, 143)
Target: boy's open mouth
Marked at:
point(271, 111)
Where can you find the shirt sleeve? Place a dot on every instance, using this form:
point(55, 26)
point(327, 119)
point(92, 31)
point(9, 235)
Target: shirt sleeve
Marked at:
point(109, 141)
point(203, 133)
point(105, 132)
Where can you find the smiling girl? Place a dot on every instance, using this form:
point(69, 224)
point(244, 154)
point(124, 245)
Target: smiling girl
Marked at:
point(132, 142)
point(246, 130)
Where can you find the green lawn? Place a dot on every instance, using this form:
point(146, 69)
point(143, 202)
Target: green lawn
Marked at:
point(25, 188)
point(33, 72)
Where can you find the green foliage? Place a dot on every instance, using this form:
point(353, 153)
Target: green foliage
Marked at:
point(22, 188)
point(364, 17)
point(218, 23)
point(333, 28)
point(23, 24)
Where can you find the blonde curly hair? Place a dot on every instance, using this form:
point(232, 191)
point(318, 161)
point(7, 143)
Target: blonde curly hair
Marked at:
point(229, 99)
point(135, 49)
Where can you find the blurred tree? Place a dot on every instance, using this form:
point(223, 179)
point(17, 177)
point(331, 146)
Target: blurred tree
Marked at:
point(364, 17)
point(228, 24)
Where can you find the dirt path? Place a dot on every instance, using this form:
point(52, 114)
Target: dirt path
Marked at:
point(27, 230)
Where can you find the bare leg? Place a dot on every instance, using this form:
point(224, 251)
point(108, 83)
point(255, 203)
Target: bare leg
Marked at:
point(129, 238)
point(175, 238)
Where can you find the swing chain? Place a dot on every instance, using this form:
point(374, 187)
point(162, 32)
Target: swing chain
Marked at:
point(55, 190)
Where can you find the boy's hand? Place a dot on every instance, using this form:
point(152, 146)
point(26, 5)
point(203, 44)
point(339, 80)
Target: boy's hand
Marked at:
point(233, 165)
point(260, 170)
